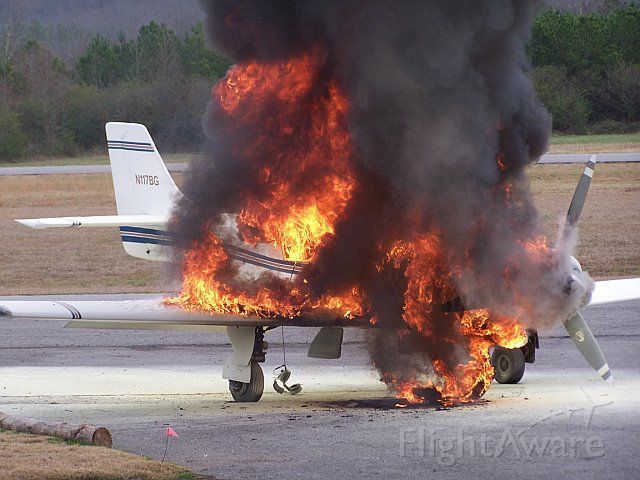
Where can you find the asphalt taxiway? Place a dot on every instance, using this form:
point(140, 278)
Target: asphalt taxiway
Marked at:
point(182, 166)
point(561, 421)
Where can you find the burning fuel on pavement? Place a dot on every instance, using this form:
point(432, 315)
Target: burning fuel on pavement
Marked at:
point(379, 148)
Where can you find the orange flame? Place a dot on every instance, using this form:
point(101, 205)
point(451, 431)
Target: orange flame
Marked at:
point(297, 195)
point(307, 181)
point(203, 291)
point(430, 284)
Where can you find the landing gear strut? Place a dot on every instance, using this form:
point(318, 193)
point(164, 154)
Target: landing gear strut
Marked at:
point(251, 391)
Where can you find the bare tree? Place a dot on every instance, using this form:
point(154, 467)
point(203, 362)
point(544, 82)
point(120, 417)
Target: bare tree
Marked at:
point(12, 19)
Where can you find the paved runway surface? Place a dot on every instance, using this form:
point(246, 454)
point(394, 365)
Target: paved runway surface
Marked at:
point(181, 167)
point(74, 169)
point(561, 418)
point(584, 158)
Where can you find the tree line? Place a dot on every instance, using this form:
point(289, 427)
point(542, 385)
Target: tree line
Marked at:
point(585, 68)
point(51, 108)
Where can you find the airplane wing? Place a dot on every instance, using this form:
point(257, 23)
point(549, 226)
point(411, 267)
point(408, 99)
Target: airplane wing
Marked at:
point(609, 291)
point(152, 314)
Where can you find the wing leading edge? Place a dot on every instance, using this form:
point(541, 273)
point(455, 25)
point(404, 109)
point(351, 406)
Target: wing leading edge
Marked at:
point(145, 314)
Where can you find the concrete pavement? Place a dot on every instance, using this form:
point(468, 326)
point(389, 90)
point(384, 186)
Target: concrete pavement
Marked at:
point(561, 418)
point(584, 158)
point(74, 169)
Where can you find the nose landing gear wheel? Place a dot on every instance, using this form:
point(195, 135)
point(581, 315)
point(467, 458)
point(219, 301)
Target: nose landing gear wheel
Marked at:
point(508, 364)
point(248, 392)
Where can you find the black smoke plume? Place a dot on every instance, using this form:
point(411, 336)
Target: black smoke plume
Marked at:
point(443, 119)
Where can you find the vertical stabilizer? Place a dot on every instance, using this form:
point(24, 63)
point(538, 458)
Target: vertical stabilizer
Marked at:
point(141, 180)
point(142, 186)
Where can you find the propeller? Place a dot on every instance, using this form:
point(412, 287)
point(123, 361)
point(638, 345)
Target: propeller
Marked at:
point(576, 326)
point(577, 202)
point(587, 345)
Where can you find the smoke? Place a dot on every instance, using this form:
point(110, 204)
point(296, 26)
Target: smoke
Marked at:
point(443, 120)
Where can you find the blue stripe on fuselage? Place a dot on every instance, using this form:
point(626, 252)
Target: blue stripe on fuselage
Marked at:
point(153, 241)
point(232, 248)
point(149, 231)
point(162, 237)
point(258, 263)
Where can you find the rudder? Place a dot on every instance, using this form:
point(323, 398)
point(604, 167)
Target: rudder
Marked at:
point(142, 183)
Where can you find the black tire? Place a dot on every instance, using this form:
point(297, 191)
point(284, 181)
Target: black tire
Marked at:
point(248, 392)
point(508, 364)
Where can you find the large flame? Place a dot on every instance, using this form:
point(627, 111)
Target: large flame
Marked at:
point(302, 181)
point(302, 161)
point(306, 182)
point(431, 285)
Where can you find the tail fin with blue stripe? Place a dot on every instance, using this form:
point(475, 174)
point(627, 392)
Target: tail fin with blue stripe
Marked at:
point(145, 194)
point(141, 180)
point(142, 186)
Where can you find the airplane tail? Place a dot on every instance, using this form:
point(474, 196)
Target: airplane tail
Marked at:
point(143, 187)
point(141, 180)
point(145, 195)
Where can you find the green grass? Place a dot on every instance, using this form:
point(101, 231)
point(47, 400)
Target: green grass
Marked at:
point(85, 160)
point(595, 139)
point(68, 442)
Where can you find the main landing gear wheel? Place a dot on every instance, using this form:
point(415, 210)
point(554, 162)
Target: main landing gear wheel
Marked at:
point(248, 392)
point(508, 364)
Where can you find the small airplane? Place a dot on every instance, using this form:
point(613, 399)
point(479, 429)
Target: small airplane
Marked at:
point(145, 194)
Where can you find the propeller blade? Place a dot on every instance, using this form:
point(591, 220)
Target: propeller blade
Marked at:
point(580, 195)
point(581, 335)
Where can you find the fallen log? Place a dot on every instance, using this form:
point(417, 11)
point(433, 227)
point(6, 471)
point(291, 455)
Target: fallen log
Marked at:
point(98, 436)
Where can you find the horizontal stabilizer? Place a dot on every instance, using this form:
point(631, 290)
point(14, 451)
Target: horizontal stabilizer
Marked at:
point(159, 221)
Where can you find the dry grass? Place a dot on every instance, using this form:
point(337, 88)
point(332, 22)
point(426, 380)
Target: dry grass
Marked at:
point(61, 261)
point(590, 148)
point(35, 457)
point(65, 260)
point(609, 229)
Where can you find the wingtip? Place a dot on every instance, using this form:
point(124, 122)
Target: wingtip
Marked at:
point(31, 223)
point(594, 158)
